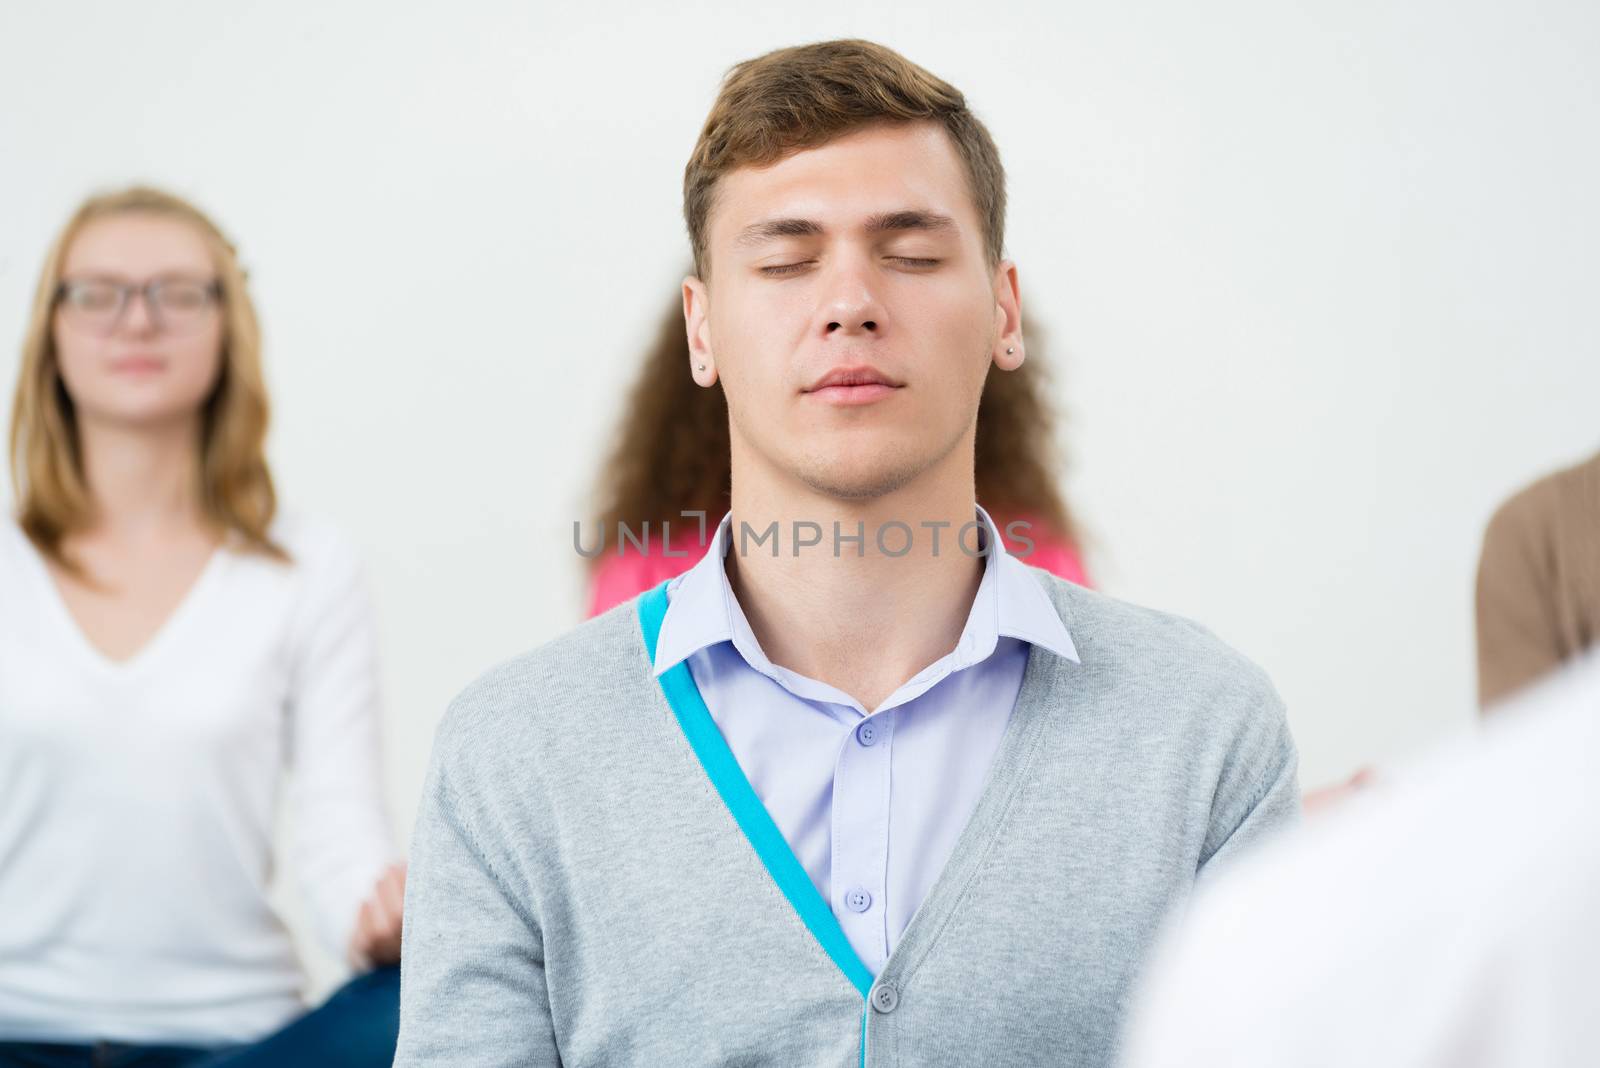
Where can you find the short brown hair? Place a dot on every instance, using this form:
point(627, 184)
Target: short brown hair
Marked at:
point(802, 97)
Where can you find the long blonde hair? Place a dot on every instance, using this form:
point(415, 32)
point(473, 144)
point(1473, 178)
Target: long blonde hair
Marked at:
point(46, 468)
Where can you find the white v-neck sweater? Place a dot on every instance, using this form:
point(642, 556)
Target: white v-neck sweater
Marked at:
point(137, 797)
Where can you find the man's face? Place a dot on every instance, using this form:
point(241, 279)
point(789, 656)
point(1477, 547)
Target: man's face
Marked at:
point(861, 261)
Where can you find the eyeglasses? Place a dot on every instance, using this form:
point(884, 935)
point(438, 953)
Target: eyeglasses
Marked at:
point(176, 305)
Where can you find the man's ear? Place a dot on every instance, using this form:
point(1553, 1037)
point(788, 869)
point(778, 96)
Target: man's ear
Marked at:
point(1008, 349)
point(696, 307)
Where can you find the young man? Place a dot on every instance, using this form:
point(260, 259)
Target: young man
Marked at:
point(848, 791)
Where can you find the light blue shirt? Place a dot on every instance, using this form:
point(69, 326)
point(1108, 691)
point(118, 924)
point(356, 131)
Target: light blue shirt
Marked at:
point(870, 803)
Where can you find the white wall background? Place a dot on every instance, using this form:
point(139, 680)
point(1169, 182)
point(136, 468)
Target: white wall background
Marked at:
point(1318, 280)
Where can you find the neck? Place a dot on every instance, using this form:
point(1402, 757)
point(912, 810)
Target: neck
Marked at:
point(144, 480)
point(862, 623)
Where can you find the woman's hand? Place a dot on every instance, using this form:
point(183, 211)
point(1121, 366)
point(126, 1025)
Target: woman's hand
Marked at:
point(376, 939)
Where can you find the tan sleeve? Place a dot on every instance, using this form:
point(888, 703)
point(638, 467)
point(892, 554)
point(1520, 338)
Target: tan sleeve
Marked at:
point(1518, 633)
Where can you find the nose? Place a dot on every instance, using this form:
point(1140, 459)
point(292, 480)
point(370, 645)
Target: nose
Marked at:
point(138, 317)
point(851, 306)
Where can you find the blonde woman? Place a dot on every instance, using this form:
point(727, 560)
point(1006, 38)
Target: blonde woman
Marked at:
point(174, 656)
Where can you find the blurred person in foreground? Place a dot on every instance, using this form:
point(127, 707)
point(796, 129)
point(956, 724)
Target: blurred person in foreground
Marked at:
point(1444, 918)
point(836, 795)
point(171, 647)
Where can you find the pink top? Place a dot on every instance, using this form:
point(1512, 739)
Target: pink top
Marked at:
point(619, 578)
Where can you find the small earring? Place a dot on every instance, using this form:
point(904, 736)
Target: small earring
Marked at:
point(1009, 350)
point(699, 367)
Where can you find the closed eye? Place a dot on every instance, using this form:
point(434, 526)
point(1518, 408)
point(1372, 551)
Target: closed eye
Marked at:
point(915, 262)
point(785, 269)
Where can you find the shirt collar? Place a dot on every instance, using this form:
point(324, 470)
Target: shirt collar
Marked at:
point(1010, 602)
point(697, 605)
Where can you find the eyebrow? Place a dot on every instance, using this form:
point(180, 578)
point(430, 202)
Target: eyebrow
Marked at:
point(883, 223)
point(772, 229)
point(892, 221)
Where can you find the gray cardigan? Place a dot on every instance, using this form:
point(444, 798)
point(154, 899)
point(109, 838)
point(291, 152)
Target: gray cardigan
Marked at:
point(581, 893)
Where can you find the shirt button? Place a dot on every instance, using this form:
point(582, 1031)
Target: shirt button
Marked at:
point(885, 998)
point(857, 900)
point(868, 733)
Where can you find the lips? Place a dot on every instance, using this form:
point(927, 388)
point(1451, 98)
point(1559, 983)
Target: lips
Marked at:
point(138, 365)
point(851, 377)
point(850, 386)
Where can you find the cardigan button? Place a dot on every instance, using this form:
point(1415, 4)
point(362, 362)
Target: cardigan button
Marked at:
point(885, 997)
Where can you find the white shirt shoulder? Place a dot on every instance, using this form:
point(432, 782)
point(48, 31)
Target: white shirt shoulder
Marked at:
point(1443, 918)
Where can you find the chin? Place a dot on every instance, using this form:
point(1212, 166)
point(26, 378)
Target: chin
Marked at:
point(135, 413)
point(858, 478)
